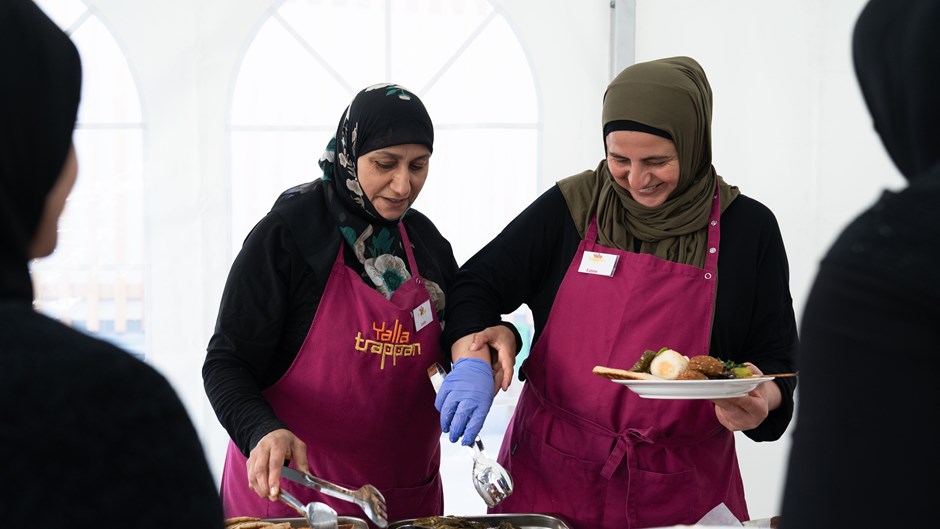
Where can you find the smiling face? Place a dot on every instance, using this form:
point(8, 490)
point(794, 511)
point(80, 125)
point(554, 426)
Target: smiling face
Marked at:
point(644, 164)
point(392, 177)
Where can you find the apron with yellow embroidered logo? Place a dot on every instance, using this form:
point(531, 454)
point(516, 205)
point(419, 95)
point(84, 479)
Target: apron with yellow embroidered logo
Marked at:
point(358, 395)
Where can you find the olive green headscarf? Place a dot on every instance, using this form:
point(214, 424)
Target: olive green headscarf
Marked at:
point(671, 95)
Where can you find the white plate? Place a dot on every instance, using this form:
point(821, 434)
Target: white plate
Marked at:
point(693, 389)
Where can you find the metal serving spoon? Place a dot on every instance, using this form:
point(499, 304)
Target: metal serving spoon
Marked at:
point(492, 482)
point(319, 515)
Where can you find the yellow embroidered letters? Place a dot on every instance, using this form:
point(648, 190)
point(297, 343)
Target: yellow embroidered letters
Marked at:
point(388, 342)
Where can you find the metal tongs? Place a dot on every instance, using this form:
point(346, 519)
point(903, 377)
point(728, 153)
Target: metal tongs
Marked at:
point(367, 497)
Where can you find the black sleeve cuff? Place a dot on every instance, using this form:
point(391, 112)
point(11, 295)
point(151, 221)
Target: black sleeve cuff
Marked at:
point(515, 333)
point(260, 431)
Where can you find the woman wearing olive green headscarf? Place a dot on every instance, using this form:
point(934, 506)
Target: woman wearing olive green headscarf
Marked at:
point(616, 261)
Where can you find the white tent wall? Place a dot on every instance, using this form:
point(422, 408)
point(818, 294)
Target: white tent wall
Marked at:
point(790, 129)
point(185, 55)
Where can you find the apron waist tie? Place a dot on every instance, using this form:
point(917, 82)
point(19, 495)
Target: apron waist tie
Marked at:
point(626, 440)
point(624, 448)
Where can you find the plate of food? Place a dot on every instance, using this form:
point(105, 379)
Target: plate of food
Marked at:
point(693, 389)
point(667, 374)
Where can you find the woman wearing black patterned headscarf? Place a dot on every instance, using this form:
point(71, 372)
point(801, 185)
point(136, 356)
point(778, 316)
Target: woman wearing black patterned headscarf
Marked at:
point(369, 124)
point(330, 317)
point(83, 425)
point(864, 446)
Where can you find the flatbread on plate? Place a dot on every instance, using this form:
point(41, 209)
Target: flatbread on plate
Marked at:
point(622, 374)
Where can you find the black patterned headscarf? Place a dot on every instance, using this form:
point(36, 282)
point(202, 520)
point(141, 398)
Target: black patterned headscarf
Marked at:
point(379, 116)
point(39, 95)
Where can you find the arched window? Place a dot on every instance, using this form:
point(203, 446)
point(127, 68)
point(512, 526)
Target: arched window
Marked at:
point(94, 281)
point(462, 57)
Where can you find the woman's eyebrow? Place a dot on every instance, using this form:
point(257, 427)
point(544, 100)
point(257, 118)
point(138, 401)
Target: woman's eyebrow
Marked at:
point(397, 156)
point(650, 158)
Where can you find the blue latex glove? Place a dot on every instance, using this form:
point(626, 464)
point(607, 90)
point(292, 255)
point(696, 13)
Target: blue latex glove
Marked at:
point(465, 398)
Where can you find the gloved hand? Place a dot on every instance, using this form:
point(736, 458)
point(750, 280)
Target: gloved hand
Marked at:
point(465, 398)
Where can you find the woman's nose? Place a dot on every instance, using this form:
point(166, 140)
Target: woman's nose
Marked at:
point(638, 176)
point(401, 182)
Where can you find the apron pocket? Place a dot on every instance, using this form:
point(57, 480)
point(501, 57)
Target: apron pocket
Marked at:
point(571, 441)
point(549, 480)
point(663, 499)
point(414, 502)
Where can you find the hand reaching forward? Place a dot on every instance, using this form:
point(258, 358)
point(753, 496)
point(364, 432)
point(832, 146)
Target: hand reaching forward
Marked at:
point(267, 458)
point(465, 398)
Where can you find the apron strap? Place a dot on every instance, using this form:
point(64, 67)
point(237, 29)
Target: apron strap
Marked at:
point(714, 235)
point(406, 244)
point(591, 234)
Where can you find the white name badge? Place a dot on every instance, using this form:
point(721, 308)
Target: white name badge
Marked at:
point(422, 315)
point(602, 264)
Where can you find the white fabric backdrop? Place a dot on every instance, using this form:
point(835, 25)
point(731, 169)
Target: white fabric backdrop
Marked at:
point(790, 129)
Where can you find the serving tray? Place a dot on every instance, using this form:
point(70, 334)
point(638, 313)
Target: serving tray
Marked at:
point(522, 521)
point(357, 523)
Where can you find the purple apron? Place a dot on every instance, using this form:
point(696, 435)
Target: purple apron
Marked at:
point(358, 395)
point(593, 452)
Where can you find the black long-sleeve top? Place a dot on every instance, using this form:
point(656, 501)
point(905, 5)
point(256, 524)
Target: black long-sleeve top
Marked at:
point(93, 433)
point(271, 295)
point(753, 321)
point(870, 334)
point(864, 442)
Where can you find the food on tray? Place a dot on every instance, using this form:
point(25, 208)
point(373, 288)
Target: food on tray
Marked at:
point(458, 522)
point(240, 519)
point(250, 522)
point(257, 524)
point(246, 522)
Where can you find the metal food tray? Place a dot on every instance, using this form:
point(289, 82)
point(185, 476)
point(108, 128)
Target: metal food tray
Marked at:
point(357, 523)
point(522, 521)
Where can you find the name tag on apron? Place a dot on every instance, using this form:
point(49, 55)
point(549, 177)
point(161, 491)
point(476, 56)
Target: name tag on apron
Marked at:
point(422, 315)
point(602, 264)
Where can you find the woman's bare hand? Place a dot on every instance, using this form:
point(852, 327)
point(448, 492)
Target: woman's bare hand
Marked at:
point(502, 340)
point(267, 458)
point(748, 411)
